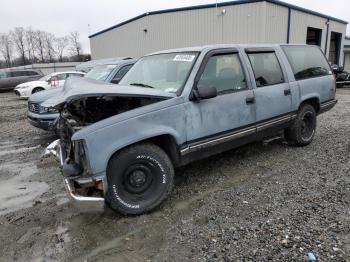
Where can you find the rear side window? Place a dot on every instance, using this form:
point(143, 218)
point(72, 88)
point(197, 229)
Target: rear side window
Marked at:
point(32, 73)
point(267, 69)
point(307, 61)
point(61, 76)
point(75, 74)
point(225, 73)
point(18, 73)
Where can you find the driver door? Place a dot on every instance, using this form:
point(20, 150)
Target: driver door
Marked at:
point(229, 115)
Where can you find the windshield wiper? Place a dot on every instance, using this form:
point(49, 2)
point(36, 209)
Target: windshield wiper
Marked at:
point(141, 84)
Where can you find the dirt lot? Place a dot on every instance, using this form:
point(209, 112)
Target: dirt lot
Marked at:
point(258, 203)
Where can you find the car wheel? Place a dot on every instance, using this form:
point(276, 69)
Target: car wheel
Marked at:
point(139, 179)
point(303, 129)
point(37, 89)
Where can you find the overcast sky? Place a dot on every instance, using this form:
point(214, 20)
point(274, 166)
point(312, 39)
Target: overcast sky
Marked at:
point(63, 16)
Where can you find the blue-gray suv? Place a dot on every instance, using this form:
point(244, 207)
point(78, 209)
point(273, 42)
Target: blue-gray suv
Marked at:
point(121, 143)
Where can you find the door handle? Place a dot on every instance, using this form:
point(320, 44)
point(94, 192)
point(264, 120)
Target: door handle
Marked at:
point(287, 92)
point(250, 100)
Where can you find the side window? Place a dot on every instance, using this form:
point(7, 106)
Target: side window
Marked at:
point(267, 70)
point(61, 77)
point(17, 73)
point(307, 61)
point(32, 73)
point(76, 75)
point(121, 73)
point(224, 71)
point(3, 75)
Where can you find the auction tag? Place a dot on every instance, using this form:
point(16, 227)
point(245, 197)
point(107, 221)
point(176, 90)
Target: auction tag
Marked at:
point(184, 58)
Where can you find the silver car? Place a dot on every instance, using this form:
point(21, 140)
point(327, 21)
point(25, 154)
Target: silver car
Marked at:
point(11, 78)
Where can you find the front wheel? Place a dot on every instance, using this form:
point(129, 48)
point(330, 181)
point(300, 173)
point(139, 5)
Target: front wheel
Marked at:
point(37, 89)
point(303, 129)
point(139, 179)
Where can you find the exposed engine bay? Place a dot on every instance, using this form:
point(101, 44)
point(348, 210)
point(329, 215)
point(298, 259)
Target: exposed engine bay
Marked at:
point(89, 110)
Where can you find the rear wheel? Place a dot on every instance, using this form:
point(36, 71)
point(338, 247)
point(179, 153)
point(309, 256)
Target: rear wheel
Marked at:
point(303, 129)
point(139, 179)
point(37, 89)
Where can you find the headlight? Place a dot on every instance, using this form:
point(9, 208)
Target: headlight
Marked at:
point(21, 87)
point(49, 110)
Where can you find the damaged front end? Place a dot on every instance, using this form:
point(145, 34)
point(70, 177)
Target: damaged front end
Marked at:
point(82, 185)
point(81, 188)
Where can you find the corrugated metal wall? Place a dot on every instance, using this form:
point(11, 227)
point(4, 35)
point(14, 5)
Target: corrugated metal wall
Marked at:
point(259, 22)
point(276, 24)
point(239, 24)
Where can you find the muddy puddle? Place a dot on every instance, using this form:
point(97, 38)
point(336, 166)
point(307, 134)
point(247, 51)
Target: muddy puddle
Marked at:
point(20, 190)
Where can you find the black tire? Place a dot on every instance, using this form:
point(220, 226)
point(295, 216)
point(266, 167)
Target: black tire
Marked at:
point(303, 129)
point(37, 89)
point(139, 178)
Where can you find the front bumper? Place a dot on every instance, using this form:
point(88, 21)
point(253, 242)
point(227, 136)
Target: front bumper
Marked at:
point(25, 94)
point(85, 203)
point(42, 121)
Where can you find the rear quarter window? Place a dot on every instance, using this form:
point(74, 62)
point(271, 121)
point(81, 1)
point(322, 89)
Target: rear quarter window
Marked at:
point(307, 61)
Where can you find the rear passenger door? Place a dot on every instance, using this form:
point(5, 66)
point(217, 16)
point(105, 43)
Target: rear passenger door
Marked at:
point(272, 91)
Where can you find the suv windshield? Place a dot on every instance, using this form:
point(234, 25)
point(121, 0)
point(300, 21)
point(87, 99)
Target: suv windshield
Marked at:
point(165, 72)
point(100, 72)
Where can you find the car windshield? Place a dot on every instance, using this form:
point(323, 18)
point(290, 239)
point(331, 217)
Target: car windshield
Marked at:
point(165, 72)
point(100, 72)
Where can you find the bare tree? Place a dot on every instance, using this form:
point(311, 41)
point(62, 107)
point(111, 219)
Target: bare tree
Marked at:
point(18, 38)
point(61, 44)
point(49, 46)
point(31, 44)
point(6, 48)
point(40, 44)
point(75, 44)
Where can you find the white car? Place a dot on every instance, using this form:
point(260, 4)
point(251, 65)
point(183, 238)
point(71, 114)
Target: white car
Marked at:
point(50, 81)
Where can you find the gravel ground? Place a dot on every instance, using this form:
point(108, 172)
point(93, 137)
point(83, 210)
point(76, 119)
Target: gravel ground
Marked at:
point(258, 203)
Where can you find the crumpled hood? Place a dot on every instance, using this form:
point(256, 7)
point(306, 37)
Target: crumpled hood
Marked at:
point(41, 96)
point(75, 88)
point(32, 83)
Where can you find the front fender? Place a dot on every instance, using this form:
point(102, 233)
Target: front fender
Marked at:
point(103, 143)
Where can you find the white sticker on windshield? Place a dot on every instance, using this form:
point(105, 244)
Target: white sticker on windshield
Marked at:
point(184, 58)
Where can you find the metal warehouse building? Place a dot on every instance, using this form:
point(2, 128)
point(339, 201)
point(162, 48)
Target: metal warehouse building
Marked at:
point(248, 21)
point(347, 53)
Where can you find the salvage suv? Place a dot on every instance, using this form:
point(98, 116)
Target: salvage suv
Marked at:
point(120, 144)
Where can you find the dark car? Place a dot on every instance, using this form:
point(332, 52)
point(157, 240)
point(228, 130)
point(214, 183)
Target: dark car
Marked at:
point(11, 78)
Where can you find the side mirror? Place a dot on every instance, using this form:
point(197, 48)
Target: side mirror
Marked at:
point(204, 92)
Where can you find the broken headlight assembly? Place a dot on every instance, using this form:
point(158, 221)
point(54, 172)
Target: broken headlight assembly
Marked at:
point(81, 156)
point(49, 110)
